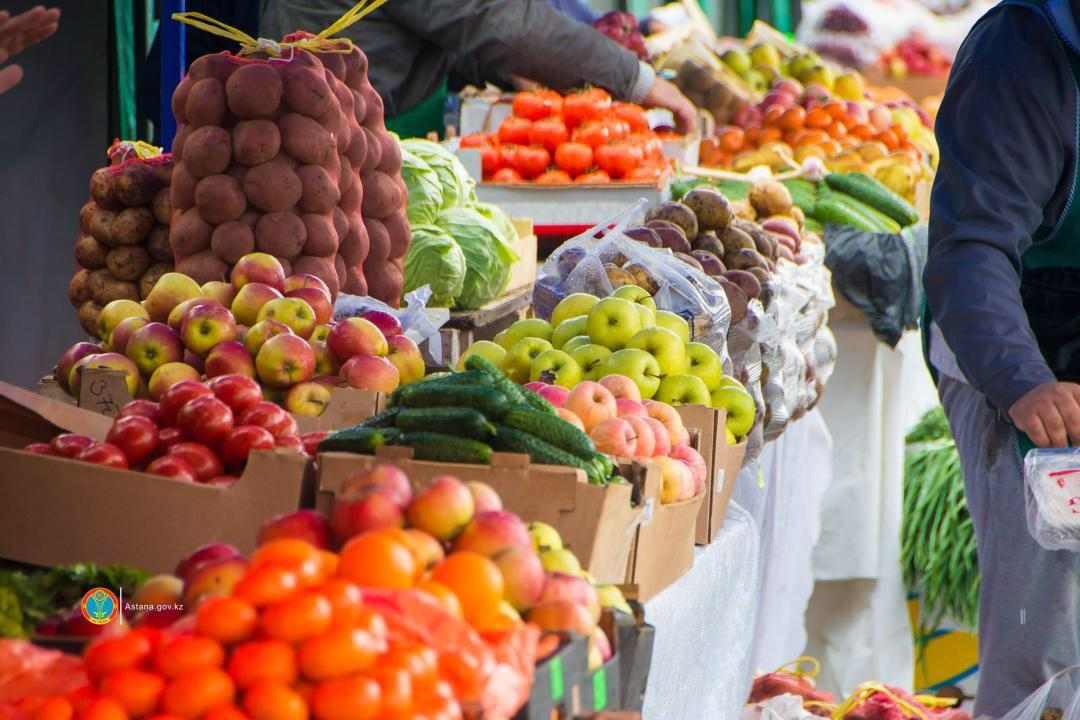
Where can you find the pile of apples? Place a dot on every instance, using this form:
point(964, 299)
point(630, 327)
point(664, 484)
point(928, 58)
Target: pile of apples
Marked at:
point(590, 338)
point(916, 56)
point(262, 325)
point(198, 432)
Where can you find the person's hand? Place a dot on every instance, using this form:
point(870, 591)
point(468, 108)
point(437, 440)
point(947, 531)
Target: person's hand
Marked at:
point(1049, 414)
point(664, 94)
point(20, 32)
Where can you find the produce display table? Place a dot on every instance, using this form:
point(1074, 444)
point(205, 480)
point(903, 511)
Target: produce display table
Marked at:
point(701, 657)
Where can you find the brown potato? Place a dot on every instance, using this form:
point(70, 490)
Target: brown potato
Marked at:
point(744, 260)
point(305, 139)
point(250, 218)
point(132, 226)
point(734, 239)
point(397, 227)
point(86, 215)
point(231, 241)
point(101, 226)
point(306, 91)
point(341, 223)
point(162, 206)
point(382, 196)
point(203, 267)
point(79, 289)
point(219, 199)
point(137, 184)
point(207, 151)
point(113, 289)
point(273, 186)
point(322, 238)
point(322, 268)
point(88, 317)
point(179, 99)
point(205, 103)
point(320, 194)
point(281, 234)
point(355, 245)
point(151, 276)
point(179, 139)
point(158, 244)
point(90, 253)
point(189, 234)
point(95, 282)
point(103, 189)
point(255, 141)
point(254, 91)
point(372, 156)
point(384, 281)
point(390, 162)
point(355, 282)
point(182, 190)
point(127, 262)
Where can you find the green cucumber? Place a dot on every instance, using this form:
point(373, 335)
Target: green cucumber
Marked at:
point(487, 400)
point(460, 421)
point(508, 439)
point(836, 212)
point(551, 429)
point(502, 383)
point(384, 419)
point(359, 440)
point(537, 402)
point(866, 189)
point(446, 448)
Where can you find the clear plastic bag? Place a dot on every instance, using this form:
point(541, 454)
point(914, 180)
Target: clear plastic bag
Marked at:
point(1058, 699)
point(707, 81)
point(1053, 498)
point(417, 320)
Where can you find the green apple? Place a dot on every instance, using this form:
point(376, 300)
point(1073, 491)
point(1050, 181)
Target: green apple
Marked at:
point(555, 368)
point(702, 361)
point(683, 389)
point(636, 294)
point(572, 306)
point(501, 339)
point(663, 345)
point(519, 358)
point(674, 323)
point(531, 328)
point(612, 322)
point(575, 342)
point(727, 381)
point(648, 317)
point(568, 329)
point(740, 409)
point(590, 357)
point(493, 353)
point(737, 60)
point(638, 365)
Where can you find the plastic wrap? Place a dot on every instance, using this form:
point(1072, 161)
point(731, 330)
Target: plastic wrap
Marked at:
point(419, 322)
point(706, 81)
point(1053, 497)
point(1058, 698)
point(744, 345)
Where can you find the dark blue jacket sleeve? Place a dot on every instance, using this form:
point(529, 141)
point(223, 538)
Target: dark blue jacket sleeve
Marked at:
point(577, 9)
point(1001, 162)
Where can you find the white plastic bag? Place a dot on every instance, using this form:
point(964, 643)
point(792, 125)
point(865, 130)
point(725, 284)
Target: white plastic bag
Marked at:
point(1058, 699)
point(417, 320)
point(781, 707)
point(1053, 498)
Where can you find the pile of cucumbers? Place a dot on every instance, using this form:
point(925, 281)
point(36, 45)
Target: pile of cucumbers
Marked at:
point(462, 417)
point(852, 199)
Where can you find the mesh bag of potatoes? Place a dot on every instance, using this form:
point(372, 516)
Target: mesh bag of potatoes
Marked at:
point(282, 148)
point(123, 245)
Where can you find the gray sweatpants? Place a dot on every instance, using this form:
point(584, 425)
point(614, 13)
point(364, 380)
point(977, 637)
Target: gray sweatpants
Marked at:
point(1029, 604)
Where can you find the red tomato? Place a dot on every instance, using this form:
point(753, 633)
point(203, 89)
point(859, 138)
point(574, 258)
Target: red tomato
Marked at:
point(475, 140)
point(167, 437)
point(600, 177)
point(177, 397)
point(620, 130)
point(506, 155)
point(650, 145)
point(531, 105)
point(239, 392)
point(206, 420)
point(617, 158)
point(490, 160)
point(38, 449)
point(311, 441)
point(553, 177)
point(507, 175)
point(69, 445)
point(549, 133)
point(289, 442)
point(580, 107)
point(645, 171)
point(270, 416)
point(593, 133)
point(173, 467)
point(633, 115)
point(136, 435)
point(515, 131)
point(242, 440)
point(530, 161)
point(574, 157)
point(202, 459)
point(146, 408)
point(104, 454)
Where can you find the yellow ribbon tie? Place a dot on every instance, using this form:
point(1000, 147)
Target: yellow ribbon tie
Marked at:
point(142, 150)
point(864, 691)
point(796, 667)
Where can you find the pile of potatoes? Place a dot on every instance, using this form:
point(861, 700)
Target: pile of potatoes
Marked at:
point(290, 157)
point(123, 246)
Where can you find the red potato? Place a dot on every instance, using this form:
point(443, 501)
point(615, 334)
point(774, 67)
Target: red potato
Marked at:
point(220, 66)
point(357, 149)
point(220, 199)
point(356, 68)
point(359, 107)
point(390, 162)
point(231, 241)
point(332, 119)
point(179, 138)
point(355, 245)
point(182, 189)
point(341, 223)
point(322, 238)
point(344, 135)
point(255, 141)
point(374, 151)
point(320, 193)
point(179, 100)
point(346, 176)
point(281, 234)
point(373, 117)
point(344, 95)
point(322, 268)
point(305, 91)
point(273, 186)
point(189, 234)
point(335, 63)
point(158, 244)
point(378, 241)
point(237, 172)
point(254, 91)
point(203, 267)
point(286, 265)
point(207, 151)
point(355, 282)
point(340, 269)
point(205, 104)
point(305, 139)
point(384, 281)
point(397, 227)
point(352, 197)
point(250, 218)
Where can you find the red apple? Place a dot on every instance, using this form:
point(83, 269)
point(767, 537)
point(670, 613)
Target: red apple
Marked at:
point(403, 354)
point(258, 267)
point(554, 394)
point(304, 281)
point(392, 479)
point(203, 556)
point(206, 420)
point(205, 326)
point(69, 445)
point(325, 365)
point(136, 435)
point(285, 360)
point(110, 361)
point(202, 459)
point(239, 443)
point(168, 375)
point(262, 331)
point(271, 417)
point(220, 291)
point(289, 442)
point(367, 372)
point(121, 334)
point(229, 358)
point(176, 397)
point(388, 324)
point(169, 436)
point(307, 398)
point(311, 441)
point(141, 408)
point(368, 508)
point(174, 467)
point(75, 353)
point(236, 391)
point(194, 361)
point(104, 454)
point(249, 300)
point(355, 336)
point(615, 436)
point(293, 312)
point(38, 449)
point(311, 526)
point(318, 300)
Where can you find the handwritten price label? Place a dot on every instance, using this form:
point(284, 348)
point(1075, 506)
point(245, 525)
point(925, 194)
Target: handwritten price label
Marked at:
point(103, 391)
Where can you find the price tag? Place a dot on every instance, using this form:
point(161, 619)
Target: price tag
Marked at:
point(720, 480)
point(558, 689)
point(646, 516)
point(103, 390)
point(599, 690)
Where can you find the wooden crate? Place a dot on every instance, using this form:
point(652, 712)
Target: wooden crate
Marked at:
point(465, 328)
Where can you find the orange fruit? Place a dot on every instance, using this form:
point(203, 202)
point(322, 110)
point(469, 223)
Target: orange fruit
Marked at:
point(350, 698)
point(209, 716)
point(189, 652)
point(225, 712)
point(298, 617)
point(836, 109)
point(262, 660)
point(268, 700)
point(120, 652)
point(752, 136)
point(772, 115)
point(813, 137)
point(137, 691)
point(338, 653)
point(793, 118)
point(888, 137)
point(103, 709)
point(863, 132)
point(395, 689)
point(226, 619)
point(443, 594)
point(54, 708)
point(345, 600)
point(374, 560)
point(818, 118)
point(265, 585)
point(420, 661)
point(770, 134)
point(475, 580)
point(426, 549)
point(830, 147)
point(792, 137)
point(192, 694)
point(301, 557)
point(732, 140)
point(329, 561)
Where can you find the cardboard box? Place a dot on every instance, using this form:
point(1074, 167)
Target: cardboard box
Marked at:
point(635, 638)
point(722, 464)
point(556, 682)
point(664, 543)
point(918, 87)
point(27, 417)
point(597, 522)
point(346, 408)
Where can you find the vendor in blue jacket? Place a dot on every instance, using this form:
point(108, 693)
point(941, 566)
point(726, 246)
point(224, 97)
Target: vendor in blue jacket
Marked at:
point(1003, 289)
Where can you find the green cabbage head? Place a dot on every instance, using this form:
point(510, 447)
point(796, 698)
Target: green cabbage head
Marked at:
point(435, 259)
